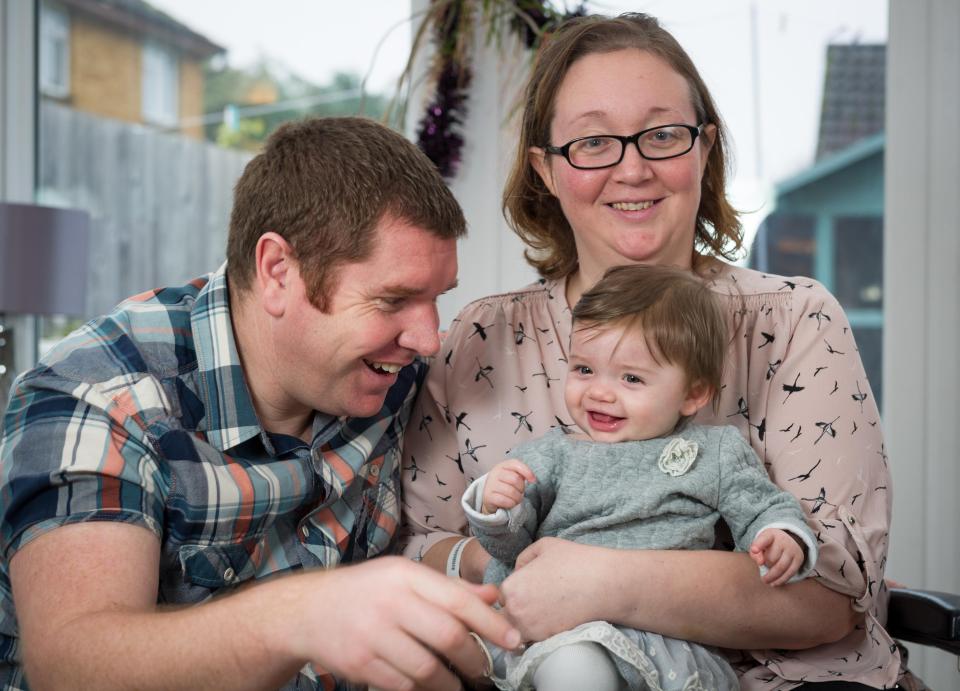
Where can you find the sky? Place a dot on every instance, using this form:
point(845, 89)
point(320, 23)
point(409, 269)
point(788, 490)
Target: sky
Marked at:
point(313, 38)
point(767, 83)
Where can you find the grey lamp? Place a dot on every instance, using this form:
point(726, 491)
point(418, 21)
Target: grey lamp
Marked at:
point(43, 270)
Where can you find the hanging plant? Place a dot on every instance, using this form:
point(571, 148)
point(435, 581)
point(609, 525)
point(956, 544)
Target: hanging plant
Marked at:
point(438, 133)
point(450, 24)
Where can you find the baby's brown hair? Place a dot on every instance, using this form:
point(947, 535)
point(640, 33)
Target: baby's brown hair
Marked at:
point(679, 316)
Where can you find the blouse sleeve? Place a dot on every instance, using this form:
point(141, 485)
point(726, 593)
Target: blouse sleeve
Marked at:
point(821, 441)
point(494, 384)
point(433, 472)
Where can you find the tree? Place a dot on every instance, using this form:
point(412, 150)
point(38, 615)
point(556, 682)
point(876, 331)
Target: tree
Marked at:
point(256, 100)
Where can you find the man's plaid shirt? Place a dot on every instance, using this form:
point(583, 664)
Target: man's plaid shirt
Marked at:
point(144, 416)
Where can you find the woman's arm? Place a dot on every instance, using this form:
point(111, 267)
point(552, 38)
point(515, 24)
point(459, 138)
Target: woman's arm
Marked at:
point(472, 564)
point(712, 597)
point(804, 402)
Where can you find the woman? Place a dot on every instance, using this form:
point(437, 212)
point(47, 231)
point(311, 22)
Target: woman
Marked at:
point(622, 160)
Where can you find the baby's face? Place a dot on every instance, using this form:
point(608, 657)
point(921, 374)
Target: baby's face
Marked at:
point(617, 391)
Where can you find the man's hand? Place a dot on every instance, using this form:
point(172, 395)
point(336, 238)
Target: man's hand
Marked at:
point(505, 484)
point(86, 606)
point(779, 552)
point(391, 623)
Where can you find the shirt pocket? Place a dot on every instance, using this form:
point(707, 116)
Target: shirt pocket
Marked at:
point(376, 522)
point(225, 565)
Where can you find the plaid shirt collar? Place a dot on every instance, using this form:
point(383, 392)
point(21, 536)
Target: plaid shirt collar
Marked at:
point(230, 417)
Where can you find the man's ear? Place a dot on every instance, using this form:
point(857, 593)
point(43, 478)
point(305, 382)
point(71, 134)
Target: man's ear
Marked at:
point(698, 395)
point(276, 269)
point(538, 159)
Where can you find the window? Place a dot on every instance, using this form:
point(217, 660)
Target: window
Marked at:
point(858, 261)
point(160, 85)
point(786, 245)
point(858, 285)
point(54, 51)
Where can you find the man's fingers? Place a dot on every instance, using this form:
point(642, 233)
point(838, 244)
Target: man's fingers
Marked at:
point(487, 592)
point(450, 638)
point(381, 675)
point(404, 651)
point(476, 615)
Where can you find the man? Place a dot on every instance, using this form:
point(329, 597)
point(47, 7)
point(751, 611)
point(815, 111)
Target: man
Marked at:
point(200, 442)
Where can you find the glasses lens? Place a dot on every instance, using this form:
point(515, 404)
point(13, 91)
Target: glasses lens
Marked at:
point(595, 152)
point(665, 142)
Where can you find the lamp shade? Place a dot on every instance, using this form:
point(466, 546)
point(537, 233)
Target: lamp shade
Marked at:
point(43, 259)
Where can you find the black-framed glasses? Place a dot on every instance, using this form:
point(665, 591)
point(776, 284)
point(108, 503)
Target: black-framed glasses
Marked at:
point(606, 150)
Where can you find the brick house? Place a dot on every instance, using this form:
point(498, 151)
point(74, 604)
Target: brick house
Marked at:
point(123, 59)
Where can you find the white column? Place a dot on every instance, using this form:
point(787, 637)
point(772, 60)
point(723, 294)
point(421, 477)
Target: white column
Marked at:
point(17, 89)
point(922, 304)
point(491, 257)
point(17, 146)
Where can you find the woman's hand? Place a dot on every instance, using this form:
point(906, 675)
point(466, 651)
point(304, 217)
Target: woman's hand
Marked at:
point(556, 586)
point(710, 596)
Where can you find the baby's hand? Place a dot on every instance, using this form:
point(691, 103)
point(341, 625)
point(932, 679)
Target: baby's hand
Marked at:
point(779, 552)
point(504, 486)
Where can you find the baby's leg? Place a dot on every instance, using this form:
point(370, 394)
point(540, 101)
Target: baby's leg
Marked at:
point(576, 667)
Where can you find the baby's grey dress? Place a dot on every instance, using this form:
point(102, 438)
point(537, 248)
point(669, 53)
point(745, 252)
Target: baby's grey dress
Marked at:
point(663, 493)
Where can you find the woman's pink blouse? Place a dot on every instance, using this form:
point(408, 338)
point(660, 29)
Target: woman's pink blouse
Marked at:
point(794, 385)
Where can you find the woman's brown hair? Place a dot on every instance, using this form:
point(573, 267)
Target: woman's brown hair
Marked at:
point(534, 214)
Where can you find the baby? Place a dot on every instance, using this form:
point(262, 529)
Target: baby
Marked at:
point(646, 354)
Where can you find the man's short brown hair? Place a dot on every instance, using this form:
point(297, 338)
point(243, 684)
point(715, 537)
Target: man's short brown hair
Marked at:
point(679, 316)
point(324, 184)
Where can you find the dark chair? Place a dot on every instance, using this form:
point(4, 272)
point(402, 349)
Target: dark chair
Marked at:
point(925, 617)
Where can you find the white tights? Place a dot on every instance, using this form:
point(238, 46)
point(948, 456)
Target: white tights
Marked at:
point(577, 667)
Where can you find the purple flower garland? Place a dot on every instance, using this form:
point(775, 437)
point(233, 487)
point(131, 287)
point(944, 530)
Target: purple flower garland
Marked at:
point(438, 133)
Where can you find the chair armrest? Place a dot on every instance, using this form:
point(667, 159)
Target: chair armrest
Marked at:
point(925, 617)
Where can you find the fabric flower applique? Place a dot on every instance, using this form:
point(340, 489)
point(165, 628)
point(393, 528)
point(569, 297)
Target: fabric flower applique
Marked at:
point(677, 457)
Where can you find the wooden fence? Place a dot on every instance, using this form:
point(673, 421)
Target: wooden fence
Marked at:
point(159, 203)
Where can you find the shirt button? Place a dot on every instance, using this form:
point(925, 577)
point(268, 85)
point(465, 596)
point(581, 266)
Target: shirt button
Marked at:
point(305, 531)
point(375, 470)
point(229, 575)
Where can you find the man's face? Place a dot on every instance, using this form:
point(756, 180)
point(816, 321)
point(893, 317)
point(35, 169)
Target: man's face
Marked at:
point(382, 312)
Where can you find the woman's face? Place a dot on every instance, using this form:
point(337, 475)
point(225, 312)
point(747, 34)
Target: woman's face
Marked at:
point(639, 210)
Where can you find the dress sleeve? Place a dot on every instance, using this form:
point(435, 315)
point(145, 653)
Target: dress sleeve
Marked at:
point(823, 444)
point(432, 468)
point(506, 532)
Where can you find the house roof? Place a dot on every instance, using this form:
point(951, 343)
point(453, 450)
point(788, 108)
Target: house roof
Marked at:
point(143, 18)
point(832, 162)
point(853, 96)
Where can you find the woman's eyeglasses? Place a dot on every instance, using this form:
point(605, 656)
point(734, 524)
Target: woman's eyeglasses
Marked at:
point(606, 150)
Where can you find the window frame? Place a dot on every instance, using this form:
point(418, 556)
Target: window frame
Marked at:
point(160, 84)
point(54, 29)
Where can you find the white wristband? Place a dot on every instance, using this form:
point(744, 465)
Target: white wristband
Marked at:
point(453, 560)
